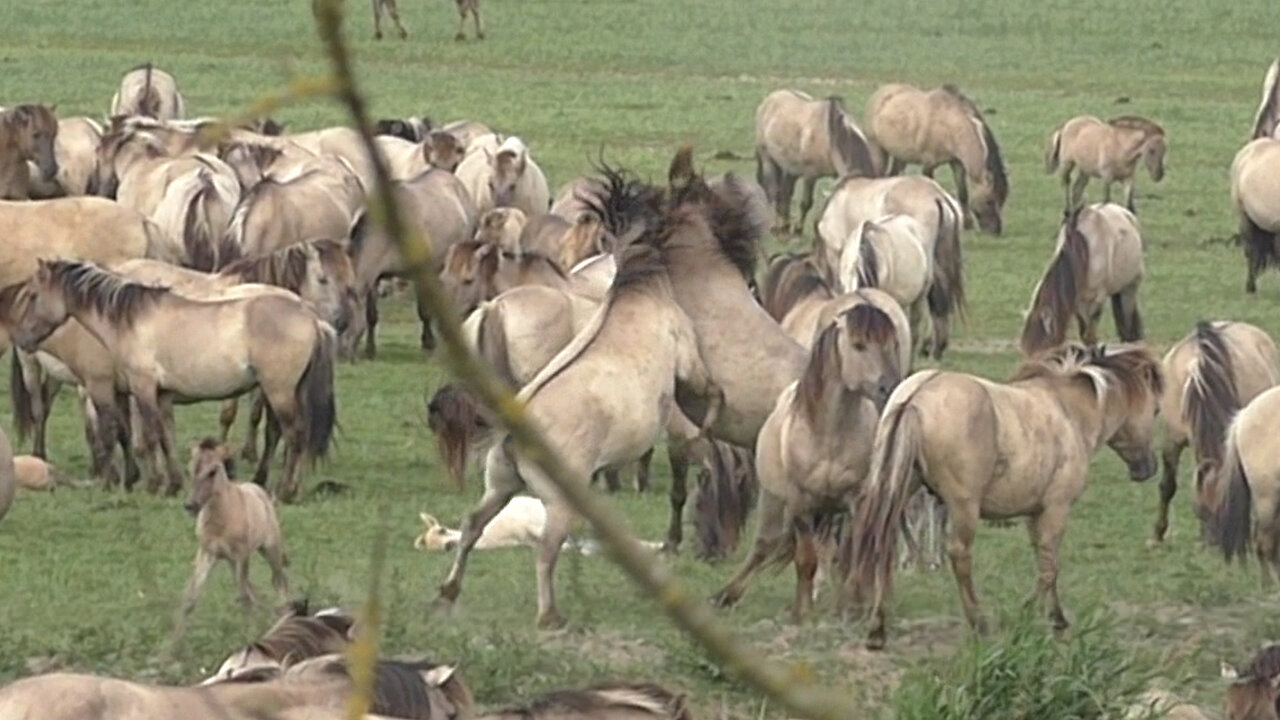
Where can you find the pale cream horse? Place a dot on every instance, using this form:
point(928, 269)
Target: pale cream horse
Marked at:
point(76, 152)
point(267, 339)
point(233, 521)
point(499, 172)
point(28, 135)
point(1210, 374)
point(815, 447)
point(1109, 151)
point(942, 127)
point(1243, 496)
point(1099, 256)
point(1255, 183)
point(798, 137)
point(406, 159)
point(149, 91)
point(318, 198)
point(979, 446)
point(591, 420)
point(1266, 121)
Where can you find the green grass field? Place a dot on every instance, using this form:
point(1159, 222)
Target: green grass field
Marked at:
point(89, 580)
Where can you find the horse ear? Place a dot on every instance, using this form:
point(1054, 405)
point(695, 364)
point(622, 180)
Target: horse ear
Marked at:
point(429, 520)
point(681, 171)
point(438, 675)
point(1228, 671)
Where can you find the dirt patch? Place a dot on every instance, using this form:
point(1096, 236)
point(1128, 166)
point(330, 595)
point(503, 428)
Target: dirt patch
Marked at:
point(608, 648)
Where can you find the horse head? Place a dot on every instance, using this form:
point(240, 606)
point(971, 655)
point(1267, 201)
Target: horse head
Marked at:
point(443, 150)
point(508, 166)
point(35, 129)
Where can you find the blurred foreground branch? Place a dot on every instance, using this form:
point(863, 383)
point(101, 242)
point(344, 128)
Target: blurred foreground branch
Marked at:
point(793, 689)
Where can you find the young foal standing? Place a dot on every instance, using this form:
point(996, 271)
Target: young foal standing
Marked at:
point(592, 420)
point(1108, 150)
point(1001, 450)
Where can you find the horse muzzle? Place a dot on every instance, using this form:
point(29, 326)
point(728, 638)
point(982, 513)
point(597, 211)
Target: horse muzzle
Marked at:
point(192, 507)
point(1142, 468)
point(48, 168)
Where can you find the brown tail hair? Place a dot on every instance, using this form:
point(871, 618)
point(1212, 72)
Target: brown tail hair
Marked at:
point(454, 418)
point(727, 489)
point(24, 418)
point(1233, 520)
point(1053, 153)
point(1058, 292)
point(946, 295)
point(314, 394)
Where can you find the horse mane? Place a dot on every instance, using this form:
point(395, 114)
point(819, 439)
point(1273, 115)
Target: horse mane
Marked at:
point(1264, 121)
point(529, 258)
point(789, 279)
point(868, 261)
point(1058, 291)
point(640, 267)
point(1210, 399)
point(727, 490)
point(1128, 369)
point(26, 113)
point(454, 418)
point(863, 323)
point(1135, 122)
point(299, 636)
point(263, 155)
point(9, 298)
point(847, 139)
point(399, 686)
point(647, 698)
point(994, 162)
point(286, 267)
point(116, 299)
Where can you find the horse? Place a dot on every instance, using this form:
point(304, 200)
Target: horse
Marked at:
point(590, 419)
point(268, 340)
point(519, 523)
point(28, 133)
point(1099, 255)
point(1109, 151)
point(34, 473)
point(1267, 118)
point(342, 143)
point(1255, 178)
point(467, 131)
point(151, 92)
point(937, 127)
point(412, 129)
point(894, 254)
point(800, 137)
point(1254, 693)
point(978, 445)
point(728, 488)
point(500, 173)
point(576, 198)
point(75, 149)
point(502, 227)
point(472, 8)
point(608, 701)
point(1211, 373)
point(320, 198)
point(8, 479)
point(297, 635)
point(81, 228)
point(475, 271)
point(389, 7)
point(233, 521)
point(1242, 495)
point(438, 211)
point(815, 447)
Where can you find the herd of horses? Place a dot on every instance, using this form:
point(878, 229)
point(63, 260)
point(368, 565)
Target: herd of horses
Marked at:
point(795, 386)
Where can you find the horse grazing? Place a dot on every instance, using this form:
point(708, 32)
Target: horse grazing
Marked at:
point(592, 421)
point(297, 635)
point(937, 127)
point(981, 447)
point(151, 92)
point(499, 172)
point(1255, 180)
point(815, 448)
point(268, 340)
point(1254, 694)
point(1099, 255)
point(1211, 373)
point(800, 137)
point(28, 134)
point(728, 488)
point(609, 701)
point(895, 254)
point(1109, 151)
point(233, 520)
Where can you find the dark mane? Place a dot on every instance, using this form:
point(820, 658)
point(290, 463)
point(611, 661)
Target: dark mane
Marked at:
point(643, 697)
point(727, 490)
point(530, 258)
point(456, 421)
point(1210, 399)
point(1264, 122)
point(1129, 369)
point(868, 262)
point(862, 323)
point(9, 298)
point(86, 285)
point(1135, 122)
point(1058, 292)
point(625, 206)
point(262, 155)
point(286, 268)
point(639, 268)
point(300, 636)
point(848, 141)
point(789, 279)
point(994, 162)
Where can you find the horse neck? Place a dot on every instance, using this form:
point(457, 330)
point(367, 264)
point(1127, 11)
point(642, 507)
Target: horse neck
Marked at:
point(970, 148)
point(839, 409)
point(1092, 419)
point(102, 329)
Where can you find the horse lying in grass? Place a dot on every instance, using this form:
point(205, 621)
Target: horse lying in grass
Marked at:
point(298, 635)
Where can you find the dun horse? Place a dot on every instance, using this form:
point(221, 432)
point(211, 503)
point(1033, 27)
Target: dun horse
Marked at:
point(76, 151)
point(977, 445)
point(814, 449)
point(1211, 374)
point(297, 635)
point(610, 701)
point(149, 91)
point(268, 340)
point(942, 127)
point(590, 419)
point(1109, 151)
point(500, 173)
point(1099, 256)
point(28, 133)
point(798, 137)
point(1255, 182)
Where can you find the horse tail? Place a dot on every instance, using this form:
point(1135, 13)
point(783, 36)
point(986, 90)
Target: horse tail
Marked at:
point(1210, 399)
point(878, 515)
point(947, 292)
point(1259, 245)
point(1265, 120)
point(1233, 520)
point(727, 489)
point(24, 416)
point(1058, 293)
point(491, 344)
point(868, 262)
point(314, 393)
point(197, 228)
point(849, 143)
point(1053, 154)
point(150, 103)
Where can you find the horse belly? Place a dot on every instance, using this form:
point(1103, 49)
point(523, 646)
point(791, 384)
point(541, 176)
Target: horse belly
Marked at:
point(220, 372)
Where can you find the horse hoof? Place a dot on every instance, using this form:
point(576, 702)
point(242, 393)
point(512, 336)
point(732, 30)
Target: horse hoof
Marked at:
point(550, 621)
point(670, 548)
point(479, 36)
point(377, 36)
point(875, 641)
point(404, 34)
point(442, 606)
point(460, 37)
point(725, 599)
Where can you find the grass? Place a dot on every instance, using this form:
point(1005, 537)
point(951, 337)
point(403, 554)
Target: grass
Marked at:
point(90, 579)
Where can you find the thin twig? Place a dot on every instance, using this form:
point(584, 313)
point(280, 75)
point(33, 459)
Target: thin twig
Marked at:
point(793, 689)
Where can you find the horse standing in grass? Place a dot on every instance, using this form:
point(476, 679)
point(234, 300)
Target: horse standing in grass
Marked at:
point(798, 137)
point(815, 448)
point(1109, 151)
point(499, 172)
point(1210, 374)
point(268, 340)
point(590, 419)
point(983, 448)
point(1099, 256)
point(1255, 183)
point(28, 134)
point(151, 92)
point(942, 127)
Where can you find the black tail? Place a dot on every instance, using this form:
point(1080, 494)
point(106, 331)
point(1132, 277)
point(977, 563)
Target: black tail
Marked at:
point(314, 394)
point(24, 418)
point(727, 488)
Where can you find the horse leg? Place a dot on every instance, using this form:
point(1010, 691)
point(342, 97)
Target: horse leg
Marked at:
point(47, 392)
point(769, 175)
point(269, 444)
point(896, 166)
point(642, 471)
point(461, 35)
point(962, 193)
point(394, 12)
point(100, 434)
point(806, 202)
point(964, 526)
point(276, 559)
point(244, 587)
point(428, 339)
point(371, 323)
point(1077, 191)
point(227, 417)
point(1124, 309)
point(250, 450)
point(940, 327)
point(151, 420)
point(786, 190)
point(772, 532)
point(288, 424)
point(204, 565)
point(914, 312)
point(1266, 535)
point(377, 19)
point(173, 471)
point(124, 436)
point(1068, 202)
point(1170, 456)
point(806, 560)
point(553, 537)
point(475, 15)
point(501, 483)
point(1047, 528)
point(1128, 196)
point(1106, 190)
point(678, 458)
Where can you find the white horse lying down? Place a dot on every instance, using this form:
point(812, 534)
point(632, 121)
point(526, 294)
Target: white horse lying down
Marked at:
point(519, 523)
